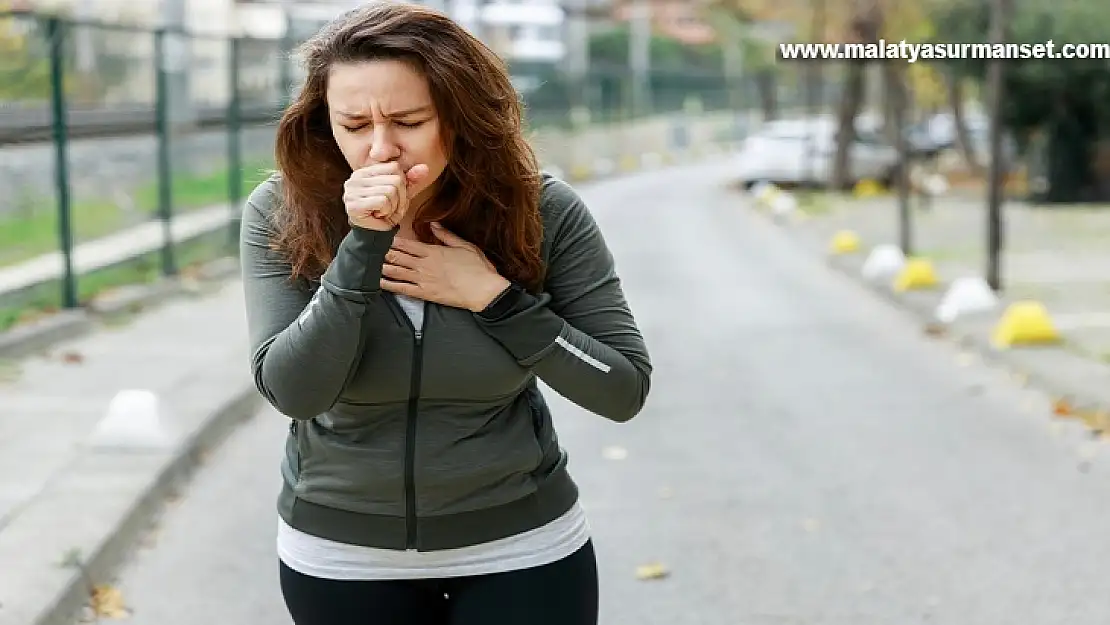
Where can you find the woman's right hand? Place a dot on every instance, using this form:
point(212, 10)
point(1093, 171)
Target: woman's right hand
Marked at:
point(377, 196)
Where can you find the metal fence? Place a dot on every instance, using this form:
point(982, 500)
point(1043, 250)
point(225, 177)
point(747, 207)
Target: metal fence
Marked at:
point(125, 152)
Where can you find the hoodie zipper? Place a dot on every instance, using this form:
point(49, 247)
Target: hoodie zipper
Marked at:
point(410, 422)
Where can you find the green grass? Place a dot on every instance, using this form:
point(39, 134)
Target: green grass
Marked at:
point(952, 254)
point(814, 203)
point(33, 230)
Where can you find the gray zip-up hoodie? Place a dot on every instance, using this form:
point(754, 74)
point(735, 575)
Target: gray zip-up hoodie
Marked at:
point(434, 437)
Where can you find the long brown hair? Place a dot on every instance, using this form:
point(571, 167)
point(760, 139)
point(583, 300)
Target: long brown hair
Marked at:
point(490, 191)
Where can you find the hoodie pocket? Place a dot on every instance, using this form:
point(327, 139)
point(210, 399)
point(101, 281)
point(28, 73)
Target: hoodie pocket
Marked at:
point(359, 470)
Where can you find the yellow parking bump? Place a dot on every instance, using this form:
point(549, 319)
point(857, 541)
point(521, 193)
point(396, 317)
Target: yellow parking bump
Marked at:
point(918, 273)
point(845, 242)
point(580, 171)
point(1025, 323)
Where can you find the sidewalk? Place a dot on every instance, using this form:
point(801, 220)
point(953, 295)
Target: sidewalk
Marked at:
point(1057, 256)
point(1054, 255)
point(61, 493)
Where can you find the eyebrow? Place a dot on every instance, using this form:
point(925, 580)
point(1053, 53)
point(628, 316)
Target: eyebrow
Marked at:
point(412, 111)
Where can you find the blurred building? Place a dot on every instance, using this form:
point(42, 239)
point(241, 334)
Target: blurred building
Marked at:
point(677, 19)
point(524, 32)
point(521, 31)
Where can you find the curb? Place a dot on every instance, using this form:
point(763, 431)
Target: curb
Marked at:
point(1056, 370)
point(29, 339)
point(25, 340)
point(101, 558)
point(974, 335)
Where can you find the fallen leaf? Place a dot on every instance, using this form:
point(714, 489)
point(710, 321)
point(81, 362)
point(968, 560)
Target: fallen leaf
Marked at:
point(1062, 408)
point(107, 602)
point(651, 571)
point(73, 358)
point(614, 453)
point(935, 329)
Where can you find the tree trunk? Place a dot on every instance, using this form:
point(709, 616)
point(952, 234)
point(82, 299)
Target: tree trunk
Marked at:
point(963, 140)
point(850, 99)
point(866, 25)
point(766, 83)
point(1069, 151)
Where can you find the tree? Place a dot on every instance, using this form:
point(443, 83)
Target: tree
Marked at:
point(1061, 99)
point(24, 65)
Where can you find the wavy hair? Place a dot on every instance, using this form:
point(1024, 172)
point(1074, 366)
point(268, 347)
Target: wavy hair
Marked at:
point(488, 194)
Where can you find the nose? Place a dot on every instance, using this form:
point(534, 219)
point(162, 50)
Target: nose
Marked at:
point(383, 148)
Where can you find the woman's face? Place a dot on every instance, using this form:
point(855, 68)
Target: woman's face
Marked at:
point(382, 111)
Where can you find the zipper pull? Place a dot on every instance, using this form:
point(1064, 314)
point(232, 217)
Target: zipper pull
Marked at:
point(419, 335)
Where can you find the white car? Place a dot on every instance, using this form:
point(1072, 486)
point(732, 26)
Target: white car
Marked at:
point(799, 152)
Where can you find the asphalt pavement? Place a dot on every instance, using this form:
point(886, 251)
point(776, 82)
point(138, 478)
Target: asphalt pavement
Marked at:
point(807, 456)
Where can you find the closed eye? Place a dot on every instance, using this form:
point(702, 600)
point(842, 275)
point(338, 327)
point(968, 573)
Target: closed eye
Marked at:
point(401, 124)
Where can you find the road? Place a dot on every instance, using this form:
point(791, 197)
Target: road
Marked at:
point(808, 456)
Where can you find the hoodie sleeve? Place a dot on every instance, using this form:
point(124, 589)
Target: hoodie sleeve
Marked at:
point(578, 335)
point(305, 345)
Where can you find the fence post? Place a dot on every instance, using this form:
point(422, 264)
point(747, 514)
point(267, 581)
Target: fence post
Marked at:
point(165, 171)
point(234, 147)
point(56, 35)
point(285, 73)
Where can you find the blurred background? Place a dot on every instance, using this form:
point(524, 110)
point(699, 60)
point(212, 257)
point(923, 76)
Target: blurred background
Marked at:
point(132, 130)
point(169, 109)
point(167, 114)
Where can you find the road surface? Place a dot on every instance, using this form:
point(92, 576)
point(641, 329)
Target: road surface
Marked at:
point(808, 456)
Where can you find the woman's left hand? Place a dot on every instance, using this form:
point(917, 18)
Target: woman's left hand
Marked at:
point(456, 273)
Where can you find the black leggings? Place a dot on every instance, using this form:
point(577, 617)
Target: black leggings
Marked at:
point(560, 593)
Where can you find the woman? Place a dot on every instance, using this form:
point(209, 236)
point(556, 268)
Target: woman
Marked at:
point(409, 275)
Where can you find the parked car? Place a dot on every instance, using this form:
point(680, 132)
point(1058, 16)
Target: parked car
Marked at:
point(799, 152)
